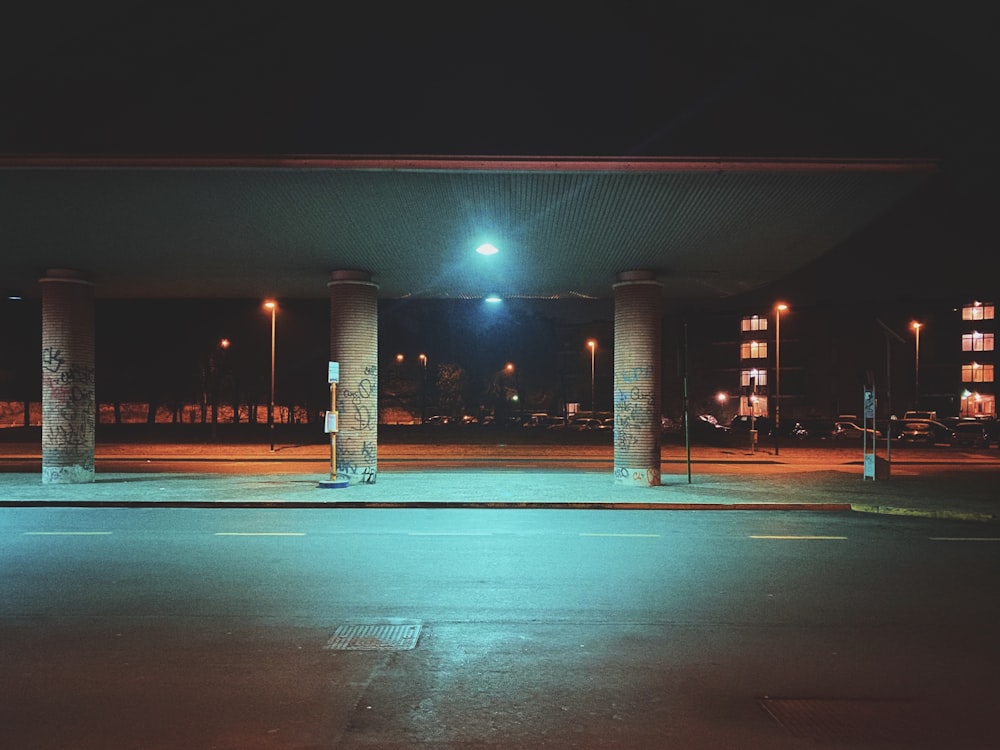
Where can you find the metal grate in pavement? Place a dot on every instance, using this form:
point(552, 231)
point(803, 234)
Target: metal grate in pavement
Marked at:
point(854, 720)
point(388, 634)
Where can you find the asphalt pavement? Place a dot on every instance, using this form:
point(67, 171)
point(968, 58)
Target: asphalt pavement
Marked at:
point(935, 483)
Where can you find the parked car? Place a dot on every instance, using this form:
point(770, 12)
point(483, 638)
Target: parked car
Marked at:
point(743, 422)
point(924, 432)
point(809, 428)
point(705, 428)
point(585, 423)
point(973, 433)
point(850, 431)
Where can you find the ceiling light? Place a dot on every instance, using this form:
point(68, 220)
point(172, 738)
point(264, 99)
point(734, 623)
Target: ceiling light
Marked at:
point(487, 249)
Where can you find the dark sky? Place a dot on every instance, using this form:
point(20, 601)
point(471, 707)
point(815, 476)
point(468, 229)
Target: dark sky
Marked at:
point(845, 79)
point(681, 78)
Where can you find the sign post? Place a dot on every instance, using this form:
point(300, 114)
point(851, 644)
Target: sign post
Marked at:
point(868, 423)
point(330, 426)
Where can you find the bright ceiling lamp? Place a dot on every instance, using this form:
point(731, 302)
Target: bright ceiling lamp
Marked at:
point(487, 249)
point(493, 298)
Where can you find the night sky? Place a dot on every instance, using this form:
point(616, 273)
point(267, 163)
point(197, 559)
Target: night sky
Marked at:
point(707, 78)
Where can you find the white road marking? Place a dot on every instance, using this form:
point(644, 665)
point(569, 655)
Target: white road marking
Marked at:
point(782, 536)
point(67, 533)
point(965, 539)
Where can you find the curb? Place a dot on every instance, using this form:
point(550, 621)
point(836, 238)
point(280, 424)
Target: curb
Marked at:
point(952, 515)
point(492, 505)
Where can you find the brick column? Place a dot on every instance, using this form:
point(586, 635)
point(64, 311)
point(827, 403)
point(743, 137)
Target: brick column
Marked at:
point(68, 403)
point(354, 344)
point(638, 322)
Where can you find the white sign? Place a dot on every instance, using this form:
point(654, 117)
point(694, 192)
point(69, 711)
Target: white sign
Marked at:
point(333, 373)
point(330, 424)
point(869, 404)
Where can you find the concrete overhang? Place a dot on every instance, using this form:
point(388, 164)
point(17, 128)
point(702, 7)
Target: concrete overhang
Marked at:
point(241, 227)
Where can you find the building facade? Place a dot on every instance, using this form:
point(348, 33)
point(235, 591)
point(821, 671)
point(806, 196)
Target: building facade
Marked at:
point(978, 389)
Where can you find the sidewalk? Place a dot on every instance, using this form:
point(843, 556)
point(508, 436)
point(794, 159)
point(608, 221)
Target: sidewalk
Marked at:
point(938, 483)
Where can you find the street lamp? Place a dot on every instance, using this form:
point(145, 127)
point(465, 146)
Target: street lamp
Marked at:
point(916, 366)
point(272, 307)
point(423, 387)
point(592, 345)
point(778, 309)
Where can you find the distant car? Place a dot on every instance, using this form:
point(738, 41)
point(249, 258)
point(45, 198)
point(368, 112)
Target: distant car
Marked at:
point(587, 423)
point(924, 432)
point(807, 428)
point(850, 431)
point(705, 428)
point(972, 433)
point(745, 423)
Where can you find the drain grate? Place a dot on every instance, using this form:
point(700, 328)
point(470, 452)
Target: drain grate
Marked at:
point(390, 634)
point(853, 720)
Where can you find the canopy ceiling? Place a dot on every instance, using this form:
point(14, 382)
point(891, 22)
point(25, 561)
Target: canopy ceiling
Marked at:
point(246, 227)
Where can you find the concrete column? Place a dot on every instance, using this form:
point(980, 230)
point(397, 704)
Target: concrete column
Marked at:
point(69, 407)
point(354, 344)
point(638, 323)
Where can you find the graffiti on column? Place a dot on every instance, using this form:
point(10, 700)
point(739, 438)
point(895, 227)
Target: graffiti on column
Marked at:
point(71, 392)
point(358, 406)
point(633, 405)
point(635, 418)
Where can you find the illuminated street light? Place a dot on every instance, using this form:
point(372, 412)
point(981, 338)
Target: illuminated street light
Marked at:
point(916, 365)
point(271, 306)
point(423, 387)
point(778, 309)
point(592, 345)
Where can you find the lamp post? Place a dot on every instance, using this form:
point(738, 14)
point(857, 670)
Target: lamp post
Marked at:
point(592, 345)
point(916, 366)
point(778, 309)
point(423, 387)
point(272, 307)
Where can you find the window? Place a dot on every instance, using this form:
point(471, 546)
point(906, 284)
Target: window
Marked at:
point(757, 376)
point(978, 404)
point(753, 350)
point(754, 323)
point(978, 311)
point(977, 373)
point(977, 342)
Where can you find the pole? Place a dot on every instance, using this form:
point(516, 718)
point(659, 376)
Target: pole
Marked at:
point(916, 369)
point(333, 435)
point(687, 413)
point(423, 388)
point(593, 350)
point(777, 377)
point(270, 407)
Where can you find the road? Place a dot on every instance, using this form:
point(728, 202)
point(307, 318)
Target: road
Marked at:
point(202, 628)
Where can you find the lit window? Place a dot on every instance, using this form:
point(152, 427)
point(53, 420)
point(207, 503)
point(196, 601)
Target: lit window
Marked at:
point(978, 311)
point(753, 350)
point(749, 377)
point(977, 373)
point(977, 342)
point(754, 323)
